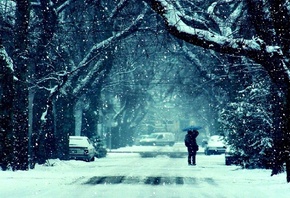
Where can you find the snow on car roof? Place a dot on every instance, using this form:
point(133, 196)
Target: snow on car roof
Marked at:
point(216, 140)
point(78, 141)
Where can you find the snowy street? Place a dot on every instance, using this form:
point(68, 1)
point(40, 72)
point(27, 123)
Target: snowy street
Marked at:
point(133, 87)
point(129, 175)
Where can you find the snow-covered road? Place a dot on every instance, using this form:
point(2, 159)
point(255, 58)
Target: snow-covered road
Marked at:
point(129, 175)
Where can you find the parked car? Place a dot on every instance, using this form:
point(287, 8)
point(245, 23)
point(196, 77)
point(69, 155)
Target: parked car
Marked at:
point(80, 147)
point(215, 145)
point(158, 139)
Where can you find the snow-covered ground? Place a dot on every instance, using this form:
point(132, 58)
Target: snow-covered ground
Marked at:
point(129, 175)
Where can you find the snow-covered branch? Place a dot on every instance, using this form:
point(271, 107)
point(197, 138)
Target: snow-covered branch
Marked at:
point(7, 61)
point(201, 37)
point(226, 25)
point(120, 112)
point(256, 48)
point(119, 7)
point(99, 47)
point(62, 6)
point(96, 52)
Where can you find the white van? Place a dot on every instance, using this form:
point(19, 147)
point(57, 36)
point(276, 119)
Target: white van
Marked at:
point(158, 139)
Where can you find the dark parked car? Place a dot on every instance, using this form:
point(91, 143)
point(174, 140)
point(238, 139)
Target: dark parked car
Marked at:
point(80, 147)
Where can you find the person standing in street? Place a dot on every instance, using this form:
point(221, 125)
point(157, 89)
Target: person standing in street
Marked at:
point(192, 147)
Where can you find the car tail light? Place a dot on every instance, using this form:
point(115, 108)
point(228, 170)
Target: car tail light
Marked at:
point(86, 151)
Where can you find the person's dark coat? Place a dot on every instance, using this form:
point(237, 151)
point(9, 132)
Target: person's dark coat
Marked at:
point(190, 140)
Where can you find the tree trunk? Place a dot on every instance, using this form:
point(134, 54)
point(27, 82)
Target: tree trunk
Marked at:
point(65, 125)
point(20, 122)
point(287, 136)
point(6, 110)
point(31, 153)
point(279, 144)
point(43, 142)
point(20, 102)
point(115, 137)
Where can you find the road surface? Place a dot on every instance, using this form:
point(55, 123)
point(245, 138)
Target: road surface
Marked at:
point(127, 175)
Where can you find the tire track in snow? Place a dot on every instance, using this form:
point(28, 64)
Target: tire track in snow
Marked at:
point(157, 180)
